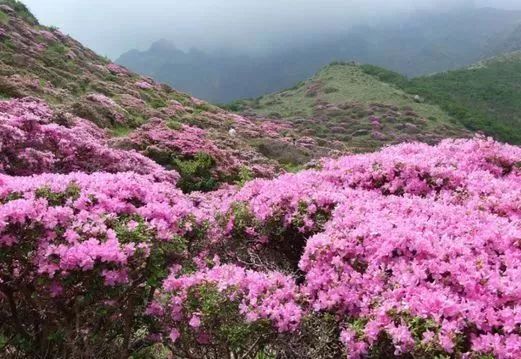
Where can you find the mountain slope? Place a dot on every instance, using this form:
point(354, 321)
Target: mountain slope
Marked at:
point(422, 43)
point(136, 113)
point(485, 96)
point(377, 255)
point(342, 103)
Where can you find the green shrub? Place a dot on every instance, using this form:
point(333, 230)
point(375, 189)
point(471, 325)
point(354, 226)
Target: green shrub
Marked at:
point(21, 10)
point(57, 48)
point(236, 106)
point(245, 175)
point(4, 19)
point(283, 152)
point(196, 173)
point(9, 44)
point(175, 125)
point(120, 131)
point(157, 103)
point(330, 90)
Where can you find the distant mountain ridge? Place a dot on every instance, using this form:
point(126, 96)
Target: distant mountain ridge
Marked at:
point(422, 44)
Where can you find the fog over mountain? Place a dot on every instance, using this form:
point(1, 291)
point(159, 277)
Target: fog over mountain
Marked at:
point(113, 27)
point(225, 50)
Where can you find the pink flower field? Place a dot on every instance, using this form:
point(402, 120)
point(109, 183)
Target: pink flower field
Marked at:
point(412, 251)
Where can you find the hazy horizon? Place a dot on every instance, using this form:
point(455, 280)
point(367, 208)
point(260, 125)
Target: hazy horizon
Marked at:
point(112, 28)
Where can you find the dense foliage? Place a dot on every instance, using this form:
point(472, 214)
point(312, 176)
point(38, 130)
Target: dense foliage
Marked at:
point(484, 98)
point(413, 250)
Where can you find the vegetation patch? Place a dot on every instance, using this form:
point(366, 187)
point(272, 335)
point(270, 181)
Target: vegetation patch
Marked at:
point(21, 10)
point(196, 173)
point(4, 19)
point(486, 98)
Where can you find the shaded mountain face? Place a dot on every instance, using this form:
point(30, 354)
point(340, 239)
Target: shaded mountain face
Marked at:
point(422, 44)
point(344, 104)
point(485, 96)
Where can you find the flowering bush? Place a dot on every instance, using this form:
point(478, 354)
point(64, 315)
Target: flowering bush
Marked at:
point(117, 69)
point(31, 144)
point(415, 249)
point(76, 249)
point(426, 276)
point(114, 111)
point(143, 85)
point(188, 150)
point(248, 306)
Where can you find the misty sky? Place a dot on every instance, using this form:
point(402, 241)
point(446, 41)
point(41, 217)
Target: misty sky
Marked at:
point(112, 27)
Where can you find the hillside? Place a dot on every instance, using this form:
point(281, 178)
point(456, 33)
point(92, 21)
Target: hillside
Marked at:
point(135, 112)
point(485, 96)
point(131, 225)
point(343, 103)
point(419, 44)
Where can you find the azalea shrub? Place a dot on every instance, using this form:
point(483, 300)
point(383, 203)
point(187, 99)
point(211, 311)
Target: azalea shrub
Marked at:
point(33, 143)
point(412, 251)
point(226, 304)
point(201, 165)
point(77, 249)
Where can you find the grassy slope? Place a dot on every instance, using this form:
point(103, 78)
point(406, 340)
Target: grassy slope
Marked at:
point(352, 97)
point(484, 97)
point(345, 83)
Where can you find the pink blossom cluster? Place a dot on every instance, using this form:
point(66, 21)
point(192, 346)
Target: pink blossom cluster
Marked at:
point(417, 245)
point(174, 108)
point(185, 141)
point(47, 35)
point(375, 122)
point(31, 144)
point(271, 296)
point(104, 225)
point(419, 242)
point(117, 69)
point(392, 260)
point(102, 100)
point(476, 173)
point(143, 85)
point(115, 110)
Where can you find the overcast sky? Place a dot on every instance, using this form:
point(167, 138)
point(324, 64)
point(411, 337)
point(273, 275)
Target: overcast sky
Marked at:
point(112, 27)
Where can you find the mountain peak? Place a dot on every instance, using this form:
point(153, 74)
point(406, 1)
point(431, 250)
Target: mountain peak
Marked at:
point(163, 45)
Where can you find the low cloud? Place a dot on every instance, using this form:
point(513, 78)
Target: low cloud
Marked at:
point(113, 27)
